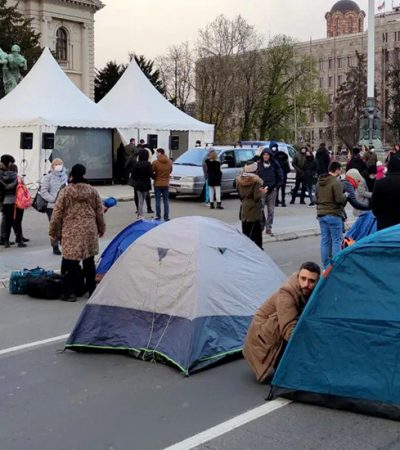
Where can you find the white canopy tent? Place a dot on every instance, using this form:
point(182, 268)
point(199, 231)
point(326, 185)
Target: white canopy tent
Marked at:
point(136, 100)
point(45, 100)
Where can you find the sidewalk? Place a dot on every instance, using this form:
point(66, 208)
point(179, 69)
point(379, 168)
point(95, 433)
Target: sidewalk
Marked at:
point(290, 223)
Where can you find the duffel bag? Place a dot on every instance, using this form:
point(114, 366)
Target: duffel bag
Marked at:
point(46, 287)
point(19, 279)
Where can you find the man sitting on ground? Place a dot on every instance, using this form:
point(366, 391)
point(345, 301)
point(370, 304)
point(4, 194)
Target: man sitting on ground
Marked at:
point(275, 320)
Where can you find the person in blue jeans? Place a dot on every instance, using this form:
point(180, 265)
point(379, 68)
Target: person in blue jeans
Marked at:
point(162, 168)
point(330, 212)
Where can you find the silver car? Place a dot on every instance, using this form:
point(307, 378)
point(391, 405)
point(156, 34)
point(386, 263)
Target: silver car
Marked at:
point(187, 175)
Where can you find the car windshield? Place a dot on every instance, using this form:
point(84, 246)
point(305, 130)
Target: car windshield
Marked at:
point(192, 157)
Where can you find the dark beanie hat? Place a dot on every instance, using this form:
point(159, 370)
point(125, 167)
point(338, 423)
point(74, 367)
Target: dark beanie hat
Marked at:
point(78, 172)
point(356, 151)
point(394, 164)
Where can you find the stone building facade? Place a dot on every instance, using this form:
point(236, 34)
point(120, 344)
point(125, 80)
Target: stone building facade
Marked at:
point(335, 55)
point(67, 28)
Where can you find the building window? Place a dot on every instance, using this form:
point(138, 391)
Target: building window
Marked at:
point(330, 99)
point(340, 63)
point(330, 81)
point(397, 36)
point(349, 61)
point(360, 24)
point(321, 64)
point(337, 26)
point(321, 134)
point(384, 37)
point(350, 24)
point(61, 44)
point(312, 135)
point(321, 83)
point(330, 63)
point(339, 79)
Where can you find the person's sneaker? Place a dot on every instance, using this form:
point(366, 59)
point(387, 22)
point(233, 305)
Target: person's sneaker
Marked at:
point(21, 245)
point(311, 205)
point(150, 211)
point(269, 232)
point(24, 239)
point(302, 202)
point(284, 205)
point(292, 202)
point(157, 218)
point(7, 244)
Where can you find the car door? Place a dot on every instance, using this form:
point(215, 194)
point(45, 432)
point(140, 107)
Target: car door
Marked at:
point(229, 170)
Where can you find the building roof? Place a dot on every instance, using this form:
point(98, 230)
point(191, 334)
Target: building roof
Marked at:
point(95, 4)
point(345, 6)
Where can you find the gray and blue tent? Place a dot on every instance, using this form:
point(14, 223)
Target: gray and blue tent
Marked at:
point(184, 292)
point(345, 350)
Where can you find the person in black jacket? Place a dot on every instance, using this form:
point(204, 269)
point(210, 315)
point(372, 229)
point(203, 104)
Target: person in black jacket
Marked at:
point(385, 201)
point(356, 162)
point(271, 174)
point(4, 163)
point(310, 175)
point(323, 159)
point(282, 158)
point(141, 179)
point(214, 178)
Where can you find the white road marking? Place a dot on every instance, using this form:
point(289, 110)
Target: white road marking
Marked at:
point(229, 425)
point(34, 344)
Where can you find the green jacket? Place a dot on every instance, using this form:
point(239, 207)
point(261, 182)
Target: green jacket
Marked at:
point(248, 186)
point(330, 197)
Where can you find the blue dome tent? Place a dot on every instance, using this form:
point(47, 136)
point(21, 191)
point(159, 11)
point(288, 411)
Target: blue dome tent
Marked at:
point(121, 242)
point(362, 227)
point(183, 293)
point(344, 352)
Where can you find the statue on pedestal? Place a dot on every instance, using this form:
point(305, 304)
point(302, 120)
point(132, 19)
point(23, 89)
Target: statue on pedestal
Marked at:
point(11, 64)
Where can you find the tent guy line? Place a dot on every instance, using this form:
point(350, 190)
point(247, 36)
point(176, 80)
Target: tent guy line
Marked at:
point(34, 344)
point(229, 425)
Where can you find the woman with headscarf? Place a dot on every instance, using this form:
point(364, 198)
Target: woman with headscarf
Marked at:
point(49, 189)
point(78, 221)
point(362, 193)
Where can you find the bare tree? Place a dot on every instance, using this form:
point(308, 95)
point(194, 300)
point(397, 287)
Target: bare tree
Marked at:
point(219, 48)
point(177, 74)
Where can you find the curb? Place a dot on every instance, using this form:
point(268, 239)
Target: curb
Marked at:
point(290, 236)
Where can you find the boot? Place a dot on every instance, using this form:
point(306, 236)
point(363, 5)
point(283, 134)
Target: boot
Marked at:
point(219, 206)
point(7, 244)
point(21, 244)
point(24, 239)
point(56, 250)
point(212, 205)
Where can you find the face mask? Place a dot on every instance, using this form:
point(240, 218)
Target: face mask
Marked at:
point(58, 168)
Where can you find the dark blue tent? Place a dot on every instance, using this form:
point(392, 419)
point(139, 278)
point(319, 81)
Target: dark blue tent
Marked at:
point(346, 345)
point(122, 241)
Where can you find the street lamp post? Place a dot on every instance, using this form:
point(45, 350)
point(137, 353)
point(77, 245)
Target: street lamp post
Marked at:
point(370, 123)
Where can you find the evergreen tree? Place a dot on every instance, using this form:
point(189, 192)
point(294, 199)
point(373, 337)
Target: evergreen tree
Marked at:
point(16, 29)
point(106, 79)
point(350, 103)
point(394, 116)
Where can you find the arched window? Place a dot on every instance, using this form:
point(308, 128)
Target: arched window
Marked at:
point(337, 26)
point(61, 44)
point(360, 24)
point(350, 22)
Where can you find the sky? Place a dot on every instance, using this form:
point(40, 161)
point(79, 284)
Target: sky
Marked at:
point(149, 27)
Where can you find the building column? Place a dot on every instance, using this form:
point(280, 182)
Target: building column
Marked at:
point(85, 60)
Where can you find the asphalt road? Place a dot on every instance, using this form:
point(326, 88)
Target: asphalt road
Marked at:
point(72, 401)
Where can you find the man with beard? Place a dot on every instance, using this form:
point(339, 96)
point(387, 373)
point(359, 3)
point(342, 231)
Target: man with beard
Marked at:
point(275, 320)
